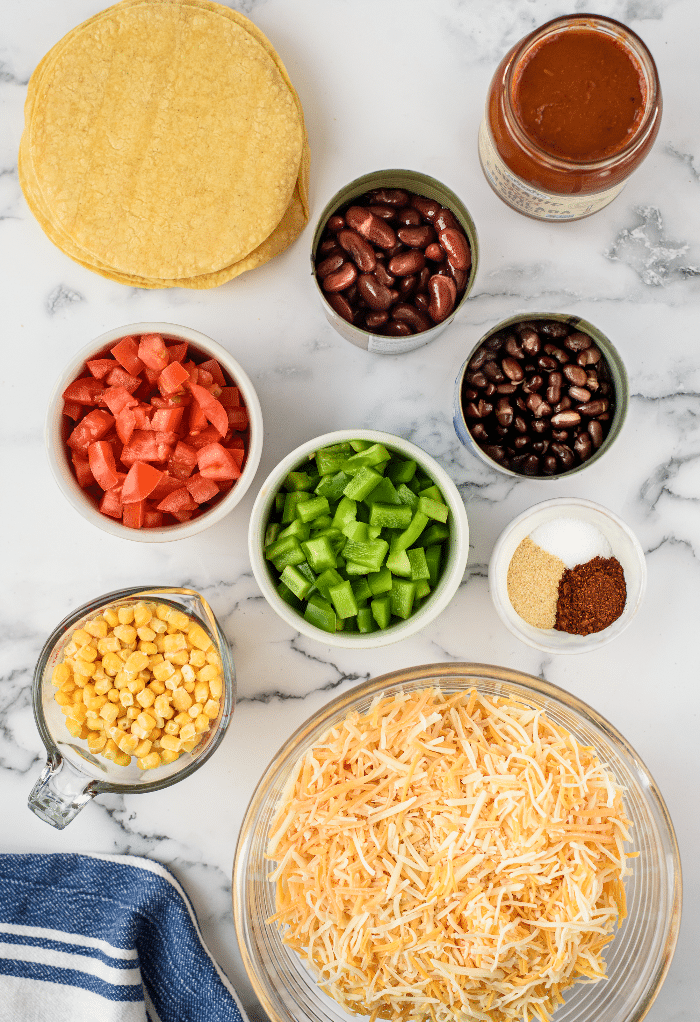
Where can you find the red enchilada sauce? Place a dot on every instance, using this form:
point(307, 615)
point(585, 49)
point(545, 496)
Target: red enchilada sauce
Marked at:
point(572, 110)
point(579, 95)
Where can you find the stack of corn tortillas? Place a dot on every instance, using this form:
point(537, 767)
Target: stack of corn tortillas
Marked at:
point(164, 145)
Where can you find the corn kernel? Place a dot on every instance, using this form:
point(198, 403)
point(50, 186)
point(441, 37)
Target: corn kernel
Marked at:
point(102, 687)
point(139, 732)
point(163, 671)
point(181, 699)
point(207, 673)
point(95, 724)
point(182, 718)
point(125, 633)
point(188, 686)
point(111, 664)
point(168, 756)
point(142, 615)
point(125, 615)
point(191, 744)
point(149, 762)
point(179, 657)
point(132, 712)
point(78, 712)
point(81, 637)
point(201, 692)
point(202, 724)
point(146, 697)
point(147, 647)
point(197, 658)
point(198, 637)
point(127, 742)
point(136, 662)
point(109, 712)
point(136, 685)
point(110, 644)
point(143, 748)
point(85, 669)
point(113, 695)
point(187, 732)
point(74, 727)
point(171, 728)
point(122, 758)
point(158, 626)
point(211, 708)
point(163, 707)
point(68, 686)
point(63, 699)
point(86, 653)
point(195, 710)
point(96, 741)
point(98, 627)
point(170, 743)
point(126, 698)
point(213, 658)
point(158, 687)
point(60, 673)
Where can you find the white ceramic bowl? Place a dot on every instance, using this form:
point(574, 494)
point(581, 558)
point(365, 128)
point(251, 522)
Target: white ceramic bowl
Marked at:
point(453, 572)
point(59, 459)
point(625, 547)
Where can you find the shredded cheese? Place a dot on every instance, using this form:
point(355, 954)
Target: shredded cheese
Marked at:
point(450, 855)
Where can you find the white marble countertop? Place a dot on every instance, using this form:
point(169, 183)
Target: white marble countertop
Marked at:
point(392, 83)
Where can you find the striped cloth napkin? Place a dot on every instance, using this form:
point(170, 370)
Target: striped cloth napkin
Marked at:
point(102, 938)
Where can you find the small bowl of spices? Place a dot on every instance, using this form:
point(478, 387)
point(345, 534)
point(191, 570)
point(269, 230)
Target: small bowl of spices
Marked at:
point(567, 576)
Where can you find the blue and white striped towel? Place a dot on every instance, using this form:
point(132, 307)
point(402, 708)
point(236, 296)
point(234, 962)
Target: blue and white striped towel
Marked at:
point(100, 938)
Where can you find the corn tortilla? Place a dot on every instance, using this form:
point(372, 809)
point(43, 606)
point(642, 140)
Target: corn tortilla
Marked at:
point(165, 145)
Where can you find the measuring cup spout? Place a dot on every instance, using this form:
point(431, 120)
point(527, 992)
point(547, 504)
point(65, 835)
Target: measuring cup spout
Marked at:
point(60, 793)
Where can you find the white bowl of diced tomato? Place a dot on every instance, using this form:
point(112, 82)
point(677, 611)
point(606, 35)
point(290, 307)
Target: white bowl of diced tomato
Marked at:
point(154, 432)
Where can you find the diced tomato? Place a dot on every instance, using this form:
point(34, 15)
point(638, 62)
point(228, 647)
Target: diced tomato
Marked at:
point(213, 409)
point(126, 352)
point(141, 480)
point(172, 378)
point(215, 462)
point(213, 367)
point(117, 398)
point(153, 352)
point(230, 397)
point(166, 485)
point(182, 461)
point(134, 514)
point(237, 418)
point(167, 418)
point(201, 489)
point(87, 390)
point(178, 500)
point(91, 427)
point(99, 367)
point(111, 503)
point(82, 470)
point(153, 519)
point(119, 377)
point(126, 424)
point(102, 466)
point(72, 410)
point(162, 431)
point(177, 352)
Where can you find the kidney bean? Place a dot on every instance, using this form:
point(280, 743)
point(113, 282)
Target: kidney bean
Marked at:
point(390, 196)
point(383, 212)
point(416, 237)
point(479, 431)
point(377, 296)
point(428, 208)
point(410, 314)
point(394, 328)
point(546, 422)
point(370, 227)
point(330, 264)
point(359, 250)
point(443, 294)
point(455, 245)
point(342, 278)
point(434, 253)
point(411, 261)
point(341, 305)
point(377, 319)
point(395, 257)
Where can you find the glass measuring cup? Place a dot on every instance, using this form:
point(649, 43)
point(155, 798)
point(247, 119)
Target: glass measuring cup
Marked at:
point(73, 775)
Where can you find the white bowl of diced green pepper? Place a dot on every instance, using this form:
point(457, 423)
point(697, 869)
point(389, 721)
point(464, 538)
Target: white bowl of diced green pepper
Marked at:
point(358, 538)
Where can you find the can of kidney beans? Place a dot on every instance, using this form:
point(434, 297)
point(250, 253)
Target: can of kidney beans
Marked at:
point(541, 395)
point(352, 325)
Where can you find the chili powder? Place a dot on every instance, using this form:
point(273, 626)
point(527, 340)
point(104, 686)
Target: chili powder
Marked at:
point(591, 596)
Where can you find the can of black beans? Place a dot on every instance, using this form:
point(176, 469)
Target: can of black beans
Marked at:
point(394, 258)
point(542, 395)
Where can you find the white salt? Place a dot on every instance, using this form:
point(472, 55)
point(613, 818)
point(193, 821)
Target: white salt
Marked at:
point(572, 540)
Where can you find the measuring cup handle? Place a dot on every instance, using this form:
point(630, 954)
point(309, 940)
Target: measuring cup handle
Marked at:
point(60, 793)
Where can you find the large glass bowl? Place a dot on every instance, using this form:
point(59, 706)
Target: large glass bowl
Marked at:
point(638, 957)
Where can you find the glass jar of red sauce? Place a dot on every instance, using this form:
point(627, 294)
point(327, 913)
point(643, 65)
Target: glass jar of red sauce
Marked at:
point(572, 110)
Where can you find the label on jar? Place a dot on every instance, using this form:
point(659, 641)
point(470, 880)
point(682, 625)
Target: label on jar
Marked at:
point(533, 201)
